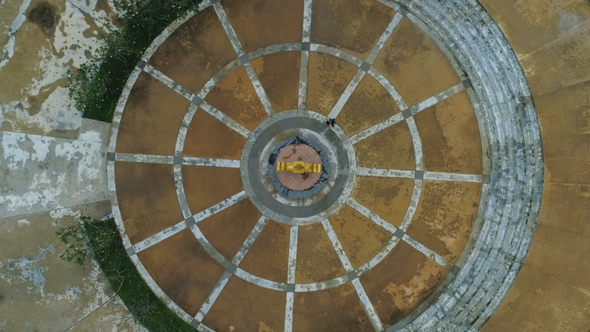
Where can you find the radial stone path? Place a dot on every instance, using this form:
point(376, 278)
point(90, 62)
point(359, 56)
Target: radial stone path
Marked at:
point(431, 176)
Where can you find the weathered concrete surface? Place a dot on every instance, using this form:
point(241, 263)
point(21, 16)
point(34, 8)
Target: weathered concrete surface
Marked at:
point(40, 292)
point(40, 173)
point(35, 56)
point(552, 40)
point(52, 161)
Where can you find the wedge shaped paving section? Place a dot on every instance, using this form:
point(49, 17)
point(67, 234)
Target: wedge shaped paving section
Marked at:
point(211, 190)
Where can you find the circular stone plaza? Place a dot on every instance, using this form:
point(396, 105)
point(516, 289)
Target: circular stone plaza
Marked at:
point(343, 165)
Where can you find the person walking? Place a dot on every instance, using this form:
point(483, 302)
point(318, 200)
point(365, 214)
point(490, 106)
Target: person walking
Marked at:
point(331, 122)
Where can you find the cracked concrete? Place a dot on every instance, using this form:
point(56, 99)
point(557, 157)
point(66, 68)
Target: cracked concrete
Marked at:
point(52, 170)
point(40, 292)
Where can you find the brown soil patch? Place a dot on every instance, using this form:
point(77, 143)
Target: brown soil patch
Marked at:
point(207, 186)
point(228, 229)
point(152, 118)
point(242, 306)
point(208, 137)
point(368, 105)
point(235, 96)
point(279, 75)
point(328, 77)
point(414, 64)
point(351, 25)
point(260, 23)
point(195, 51)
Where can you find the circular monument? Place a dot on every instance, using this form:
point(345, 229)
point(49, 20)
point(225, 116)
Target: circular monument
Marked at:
point(244, 210)
point(296, 167)
point(300, 167)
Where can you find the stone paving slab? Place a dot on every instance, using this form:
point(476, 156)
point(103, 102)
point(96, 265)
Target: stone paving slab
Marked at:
point(41, 173)
point(316, 309)
point(35, 60)
point(354, 26)
point(395, 291)
point(368, 105)
point(41, 292)
point(195, 51)
point(415, 77)
point(183, 270)
point(198, 143)
point(152, 118)
point(445, 216)
point(388, 197)
point(279, 74)
point(156, 208)
point(228, 229)
point(269, 255)
point(450, 136)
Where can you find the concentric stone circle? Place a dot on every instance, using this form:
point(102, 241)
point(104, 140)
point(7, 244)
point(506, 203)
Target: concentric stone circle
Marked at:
point(322, 204)
point(508, 122)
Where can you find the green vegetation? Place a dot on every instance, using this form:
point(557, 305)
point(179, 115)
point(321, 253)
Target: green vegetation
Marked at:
point(97, 85)
point(101, 240)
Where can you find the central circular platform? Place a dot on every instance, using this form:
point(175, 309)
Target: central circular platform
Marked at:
point(298, 185)
point(298, 181)
point(262, 184)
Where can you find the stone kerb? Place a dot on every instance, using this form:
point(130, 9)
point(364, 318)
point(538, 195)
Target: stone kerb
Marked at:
point(512, 127)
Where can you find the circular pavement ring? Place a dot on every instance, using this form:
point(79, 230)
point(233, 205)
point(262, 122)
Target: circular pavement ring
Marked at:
point(253, 157)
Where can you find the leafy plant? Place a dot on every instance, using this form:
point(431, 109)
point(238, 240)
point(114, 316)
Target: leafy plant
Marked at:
point(78, 236)
point(97, 85)
point(101, 241)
